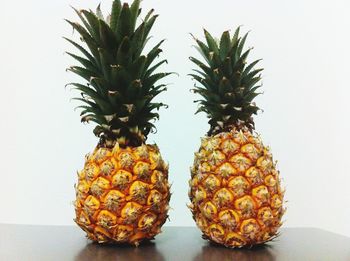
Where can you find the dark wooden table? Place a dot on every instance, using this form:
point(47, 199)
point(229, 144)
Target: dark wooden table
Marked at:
point(21, 242)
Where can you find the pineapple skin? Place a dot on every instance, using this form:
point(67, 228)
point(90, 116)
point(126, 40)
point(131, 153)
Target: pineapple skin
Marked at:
point(122, 194)
point(235, 192)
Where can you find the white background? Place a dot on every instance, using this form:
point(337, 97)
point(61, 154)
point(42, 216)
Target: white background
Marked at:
point(305, 47)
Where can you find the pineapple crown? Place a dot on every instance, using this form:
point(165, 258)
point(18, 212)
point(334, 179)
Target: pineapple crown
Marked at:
point(121, 80)
point(228, 84)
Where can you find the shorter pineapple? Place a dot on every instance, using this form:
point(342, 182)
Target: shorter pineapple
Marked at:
point(235, 192)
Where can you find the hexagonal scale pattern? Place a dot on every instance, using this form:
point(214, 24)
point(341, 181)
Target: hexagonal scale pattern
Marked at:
point(235, 192)
point(122, 194)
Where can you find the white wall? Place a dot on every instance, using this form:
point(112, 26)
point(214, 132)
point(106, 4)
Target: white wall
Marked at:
point(305, 47)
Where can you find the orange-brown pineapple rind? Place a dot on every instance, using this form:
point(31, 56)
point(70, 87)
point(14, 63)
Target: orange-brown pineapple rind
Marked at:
point(235, 192)
point(123, 194)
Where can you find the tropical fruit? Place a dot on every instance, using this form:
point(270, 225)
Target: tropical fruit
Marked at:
point(235, 192)
point(122, 194)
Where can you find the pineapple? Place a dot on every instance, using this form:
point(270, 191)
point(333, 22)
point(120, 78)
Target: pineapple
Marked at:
point(235, 192)
point(122, 194)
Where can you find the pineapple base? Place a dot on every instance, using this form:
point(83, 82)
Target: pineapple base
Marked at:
point(123, 194)
point(235, 192)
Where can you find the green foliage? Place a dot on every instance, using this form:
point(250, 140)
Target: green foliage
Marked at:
point(121, 82)
point(227, 84)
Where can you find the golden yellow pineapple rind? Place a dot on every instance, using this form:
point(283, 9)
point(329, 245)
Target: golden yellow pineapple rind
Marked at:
point(235, 192)
point(123, 194)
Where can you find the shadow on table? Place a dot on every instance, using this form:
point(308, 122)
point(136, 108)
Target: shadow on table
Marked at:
point(95, 251)
point(213, 252)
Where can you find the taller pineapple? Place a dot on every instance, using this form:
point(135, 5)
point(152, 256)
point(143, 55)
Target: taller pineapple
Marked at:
point(122, 193)
point(235, 192)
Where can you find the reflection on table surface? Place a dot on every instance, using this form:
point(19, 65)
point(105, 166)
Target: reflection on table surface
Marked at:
point(212, 252)
point(146, 252)
point(149, 252)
